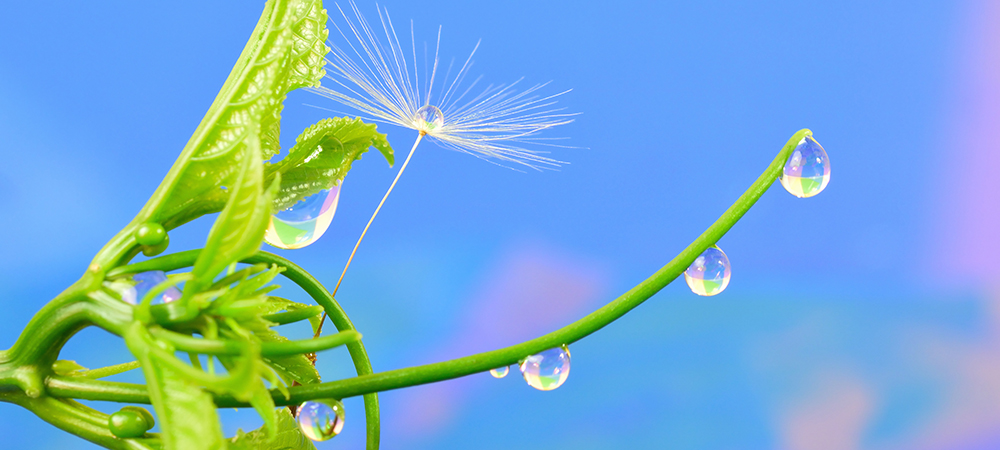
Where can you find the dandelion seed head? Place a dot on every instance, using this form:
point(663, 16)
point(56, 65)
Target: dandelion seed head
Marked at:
point(375, 76)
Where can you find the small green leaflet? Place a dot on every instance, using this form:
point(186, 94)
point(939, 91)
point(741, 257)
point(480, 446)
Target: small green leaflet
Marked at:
point(239, 229)
point(67, 367)
point(322, 156)
point(293, 368)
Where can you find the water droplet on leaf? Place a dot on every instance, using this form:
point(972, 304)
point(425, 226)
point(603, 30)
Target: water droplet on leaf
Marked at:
point(807, 171)
point(320, 420)
point(146, 281)
point(429, 118)
point(547, 370)
point(500, 372)
point(304, 222)
point(709, 273)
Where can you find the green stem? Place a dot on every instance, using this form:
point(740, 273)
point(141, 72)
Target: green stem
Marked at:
point(82, 421)
point(90, 389)
point(165, 263)
point(293, 316)
point(395, 379)
point(430, 373)
point(187, 343)
point(30, 359)
point(108, 371)
point(356, 349)
point(308, 283)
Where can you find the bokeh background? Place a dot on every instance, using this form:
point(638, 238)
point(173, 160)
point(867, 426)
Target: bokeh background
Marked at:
point(866, 317)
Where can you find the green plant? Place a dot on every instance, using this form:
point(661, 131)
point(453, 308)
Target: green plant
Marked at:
point(226, 284)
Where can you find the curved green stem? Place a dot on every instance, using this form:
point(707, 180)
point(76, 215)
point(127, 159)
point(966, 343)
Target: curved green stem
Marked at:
point(308, 283)
point(286, 317)
point(30, 359)
point(82, 421)
point(429, 373)
point(359, 355)
point(206, 346)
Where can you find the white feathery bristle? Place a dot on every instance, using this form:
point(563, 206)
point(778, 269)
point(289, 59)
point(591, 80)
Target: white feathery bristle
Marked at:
point(372, 75)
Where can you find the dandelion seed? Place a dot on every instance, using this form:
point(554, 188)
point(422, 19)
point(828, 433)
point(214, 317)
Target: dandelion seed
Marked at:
point(371, 74)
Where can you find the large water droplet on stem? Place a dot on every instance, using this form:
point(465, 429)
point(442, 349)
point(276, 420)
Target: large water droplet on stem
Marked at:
point(807, 171)
point(304, 222)
point(320, 420)
point(709, 273)
point(547, 370)
point(428, 118)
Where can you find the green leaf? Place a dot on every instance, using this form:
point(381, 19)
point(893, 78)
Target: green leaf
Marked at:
point(294, 312)
point(288, 437)
point(293, 368)
point(305, 67)
point(248, 299)
point(258, 284)
point(264, 405)
point(186, 413)
point(322, 156)
point(286, 51)
point(239, 229)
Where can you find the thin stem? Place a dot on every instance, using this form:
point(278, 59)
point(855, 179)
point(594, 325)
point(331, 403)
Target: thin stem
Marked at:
point(208, 346)
point(82, 421)
point(420, 136)
point(430, 373)
point(102, 372)
point(26, 363)
point(316, 290)
point(283, 318)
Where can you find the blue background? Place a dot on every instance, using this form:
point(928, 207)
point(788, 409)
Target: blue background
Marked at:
point(847, 323)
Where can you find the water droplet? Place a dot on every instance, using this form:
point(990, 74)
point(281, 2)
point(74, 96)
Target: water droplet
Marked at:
point(807, 171)
point(709, 273)
point(428, 118)
point(124, 289)
point(304, 222)
point(500, 372)
point(320, 420)
point(146, 281)
point(547, 370)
